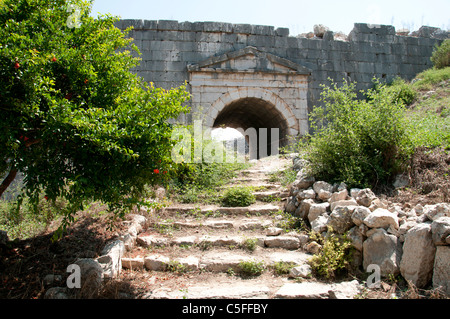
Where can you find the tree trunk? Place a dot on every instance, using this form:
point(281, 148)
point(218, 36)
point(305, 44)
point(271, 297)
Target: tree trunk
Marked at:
point(8, 180)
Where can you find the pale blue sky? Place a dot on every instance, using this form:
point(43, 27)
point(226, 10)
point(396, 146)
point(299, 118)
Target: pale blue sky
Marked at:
point(298, 16)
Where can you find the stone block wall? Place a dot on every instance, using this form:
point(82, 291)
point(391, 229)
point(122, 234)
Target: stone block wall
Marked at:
point(369, 51)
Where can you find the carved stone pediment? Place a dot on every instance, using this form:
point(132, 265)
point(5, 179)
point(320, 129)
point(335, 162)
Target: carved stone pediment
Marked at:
point(249, 59)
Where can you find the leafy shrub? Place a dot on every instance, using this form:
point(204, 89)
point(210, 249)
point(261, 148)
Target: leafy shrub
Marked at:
point(251, 268)
point(359, 142)
point(283, 267)
point(239, 196)
point(250, 244)
point(334, 255)
point(402, 92)
point(441, 55)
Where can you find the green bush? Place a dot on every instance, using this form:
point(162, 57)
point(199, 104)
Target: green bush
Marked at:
point(441, 55)
point(334, 255)
point(402, 92)
point(360, 142)
point(239, 196)
point(251, 268)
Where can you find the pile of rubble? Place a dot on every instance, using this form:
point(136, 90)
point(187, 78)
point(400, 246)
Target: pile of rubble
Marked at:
point(412, 242)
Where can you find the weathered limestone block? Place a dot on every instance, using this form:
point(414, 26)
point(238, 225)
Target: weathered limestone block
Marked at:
point(440, 229)
point(156, 262)
point(316, 210)
point(365, 197)
point(133, 263)
point(418, 255)
point(359, 214)
point(384, 250)
point(381, 218)
point(441, 270)
point(286, 242)
point(341, 219)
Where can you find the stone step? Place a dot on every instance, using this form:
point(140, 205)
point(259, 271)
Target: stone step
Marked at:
point(268, 195)
point(255, 209)
point(228, 290)
point(269, 289)
point(214, 223)
point(319, 290)
point(214, 261)
point(288, 242)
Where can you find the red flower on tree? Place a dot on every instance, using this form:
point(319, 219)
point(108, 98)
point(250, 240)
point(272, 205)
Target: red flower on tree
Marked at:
point(156, 171)
point(16, 65)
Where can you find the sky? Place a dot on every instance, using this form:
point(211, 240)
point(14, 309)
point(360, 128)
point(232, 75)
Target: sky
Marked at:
point(297, 15)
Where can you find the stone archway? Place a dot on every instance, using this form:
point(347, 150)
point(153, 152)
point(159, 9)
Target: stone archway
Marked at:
point(256, 109)
point(250, 88)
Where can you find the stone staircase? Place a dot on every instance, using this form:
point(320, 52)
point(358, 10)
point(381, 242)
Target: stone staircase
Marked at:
point(207, 251)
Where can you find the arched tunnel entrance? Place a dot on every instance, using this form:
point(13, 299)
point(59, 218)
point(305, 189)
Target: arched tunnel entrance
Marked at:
point(263, 126)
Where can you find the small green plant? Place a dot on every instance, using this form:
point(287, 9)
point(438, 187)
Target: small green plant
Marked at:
point(176, 267)
point(335, 255)
point(289, 222)
point(282, 267)
point(441, 55)
point(239, 196)
point(251, 268)
point(250, 244)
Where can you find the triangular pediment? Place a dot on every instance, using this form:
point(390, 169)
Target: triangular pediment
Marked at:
point(249, 59)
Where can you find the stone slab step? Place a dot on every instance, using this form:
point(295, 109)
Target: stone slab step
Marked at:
point(241, 224)
point(235, 241)
point(257, 209)
point(213, 261)
point(239, 290)
point(319, 290)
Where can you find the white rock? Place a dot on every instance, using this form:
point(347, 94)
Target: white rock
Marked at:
point(324, 195)
point(133, 263)
point(440, 229)
point(381, 218)
point(341, 219)
point(384, 250)
point(359, 214)
point(303, 210)
point(356, 237)
point(274, 231)
point(156, 262)
point(300, 271)
point(438, 210)
point(441, 269)
point(354, 192)
point(345, 290)
point(306, 194)
point(318, 186)
point(418, 255)
point(304, 290)
point(338, 196)
point(350, 202)
point(316, 210)
point(365, 197)
point(190, 263)
point(286, 242)
point(320, 29)
point(313, 247)
point(319, 224)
